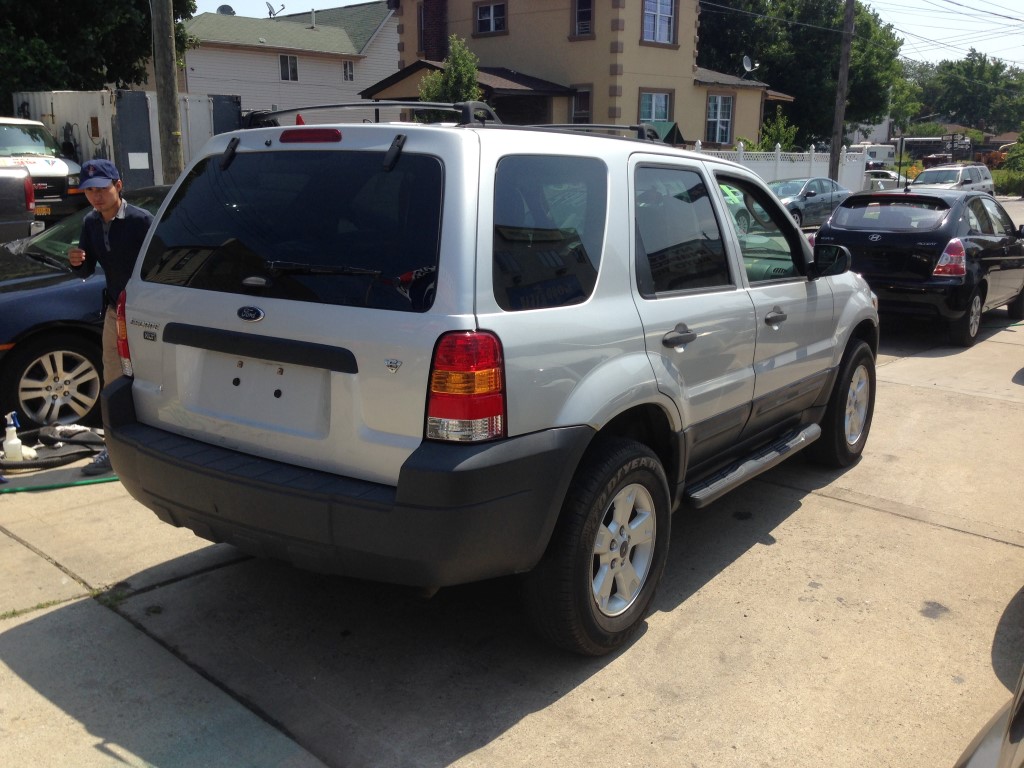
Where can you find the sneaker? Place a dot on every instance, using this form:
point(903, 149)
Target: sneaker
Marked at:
point(99, 465)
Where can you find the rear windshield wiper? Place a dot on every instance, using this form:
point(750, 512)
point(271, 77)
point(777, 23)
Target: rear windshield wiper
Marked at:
point(297, 267)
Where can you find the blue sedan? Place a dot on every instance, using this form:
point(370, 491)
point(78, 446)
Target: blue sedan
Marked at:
point(51, 322)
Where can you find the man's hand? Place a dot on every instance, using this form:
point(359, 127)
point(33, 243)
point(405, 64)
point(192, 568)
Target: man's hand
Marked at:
point(76, 257)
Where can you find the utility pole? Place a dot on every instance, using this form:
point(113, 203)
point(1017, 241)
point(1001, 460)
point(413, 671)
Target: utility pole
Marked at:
point(841, 88)
point(166, 74)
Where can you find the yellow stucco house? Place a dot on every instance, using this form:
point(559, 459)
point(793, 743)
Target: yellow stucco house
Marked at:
point(583, 61)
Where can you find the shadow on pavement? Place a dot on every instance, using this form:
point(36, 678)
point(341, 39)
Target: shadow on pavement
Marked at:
point(359, 673)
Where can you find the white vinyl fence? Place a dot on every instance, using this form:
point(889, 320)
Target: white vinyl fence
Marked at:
point(790, 165)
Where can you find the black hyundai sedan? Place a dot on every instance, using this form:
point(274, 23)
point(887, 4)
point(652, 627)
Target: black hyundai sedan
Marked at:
point(941, 254)
point(50, 325)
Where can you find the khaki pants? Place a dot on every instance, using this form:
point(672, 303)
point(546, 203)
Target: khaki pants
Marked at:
point(111, 360)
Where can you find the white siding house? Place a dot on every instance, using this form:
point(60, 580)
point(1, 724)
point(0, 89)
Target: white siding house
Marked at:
point(322, 57)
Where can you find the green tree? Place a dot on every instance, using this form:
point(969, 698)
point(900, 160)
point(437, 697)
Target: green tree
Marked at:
point(774, 130)
point(797, 45)
point(905, 101)
point(980, 92)
point(456, 82)
point(77, 45)
point(1015, 157)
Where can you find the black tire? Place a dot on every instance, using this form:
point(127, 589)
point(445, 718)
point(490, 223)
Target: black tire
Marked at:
point(847, 422)
point(798, 218)
point(599, 574)
point(53, 379)
point(964, 331)
point(1015, 309)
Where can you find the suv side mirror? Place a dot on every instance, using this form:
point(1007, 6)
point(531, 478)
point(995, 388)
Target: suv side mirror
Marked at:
point(829, 260)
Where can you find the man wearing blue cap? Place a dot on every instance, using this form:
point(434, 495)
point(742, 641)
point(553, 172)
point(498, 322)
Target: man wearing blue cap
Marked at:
point(112, 236)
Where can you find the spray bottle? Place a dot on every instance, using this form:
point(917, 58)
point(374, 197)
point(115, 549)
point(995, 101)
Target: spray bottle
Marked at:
point(12, 445)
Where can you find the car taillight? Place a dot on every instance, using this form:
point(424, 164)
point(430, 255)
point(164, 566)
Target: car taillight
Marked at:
point(30, 194)
point(953, 262)
point(467, 388)
point(122, 338)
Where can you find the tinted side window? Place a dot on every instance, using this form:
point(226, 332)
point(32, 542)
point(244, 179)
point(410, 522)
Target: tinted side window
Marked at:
point(549, 219)
point(978, 219)
point(1000, 218)
point(679, 243)
point(328, 227)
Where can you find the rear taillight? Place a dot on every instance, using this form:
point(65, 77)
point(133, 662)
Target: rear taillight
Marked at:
point(953, 262)
point(122, 338)
point(30, 194)
point(467, 389)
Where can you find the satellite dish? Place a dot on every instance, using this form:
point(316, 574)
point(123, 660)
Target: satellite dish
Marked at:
point(272, 12)
point(748, 64)
point(226, 10)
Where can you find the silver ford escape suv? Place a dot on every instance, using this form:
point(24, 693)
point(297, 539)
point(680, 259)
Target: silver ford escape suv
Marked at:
point(432, 354)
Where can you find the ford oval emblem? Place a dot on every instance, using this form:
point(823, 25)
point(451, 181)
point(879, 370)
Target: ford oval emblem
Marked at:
point(874, 238)
point(250, 314)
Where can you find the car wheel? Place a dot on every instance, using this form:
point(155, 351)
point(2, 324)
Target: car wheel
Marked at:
point(1015, 309)
point(53, 380)
point(844, 430)
point(742, 222)
point(798, 218)
point(964, 330)
point(596, 581)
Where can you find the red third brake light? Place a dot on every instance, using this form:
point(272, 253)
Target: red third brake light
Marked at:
point(467, 388)
point(953, 262)
point(122, 338)
point(310, 136)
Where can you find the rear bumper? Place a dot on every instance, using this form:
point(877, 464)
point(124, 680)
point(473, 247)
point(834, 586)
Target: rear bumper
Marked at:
point(945, 301)
point(458, 514)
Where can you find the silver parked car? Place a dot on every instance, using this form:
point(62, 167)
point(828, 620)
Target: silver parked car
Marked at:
point(974, 177)
point(810, 201)
point(492, 350)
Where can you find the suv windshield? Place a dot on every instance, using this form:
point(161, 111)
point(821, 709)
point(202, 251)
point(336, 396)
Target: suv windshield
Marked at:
point(938, 176)
point(26, 140)
point(325, 227)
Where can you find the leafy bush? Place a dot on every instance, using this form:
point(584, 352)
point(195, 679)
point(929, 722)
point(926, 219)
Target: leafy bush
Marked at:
point(1008, 182)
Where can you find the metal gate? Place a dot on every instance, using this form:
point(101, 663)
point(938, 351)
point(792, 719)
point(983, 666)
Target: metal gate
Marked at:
point(133, 146)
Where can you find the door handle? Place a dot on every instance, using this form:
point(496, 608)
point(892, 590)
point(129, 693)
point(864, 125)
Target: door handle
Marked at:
point(678, 336)
point(775, 317)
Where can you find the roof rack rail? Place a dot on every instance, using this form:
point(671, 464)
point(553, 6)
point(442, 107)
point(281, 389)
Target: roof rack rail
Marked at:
point(643, 131)
point(468, 111)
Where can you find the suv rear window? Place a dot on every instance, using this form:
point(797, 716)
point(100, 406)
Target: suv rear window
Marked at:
point(904, 214)
point(326, 227)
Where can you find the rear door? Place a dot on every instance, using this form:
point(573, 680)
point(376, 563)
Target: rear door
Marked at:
point(1004, 252)
point(698, 322)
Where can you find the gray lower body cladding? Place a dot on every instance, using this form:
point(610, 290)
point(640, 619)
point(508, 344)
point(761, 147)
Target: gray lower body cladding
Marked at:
point(460, 513)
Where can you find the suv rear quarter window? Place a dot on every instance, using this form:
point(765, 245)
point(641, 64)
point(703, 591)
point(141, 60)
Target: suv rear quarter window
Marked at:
point(321, 226)
point(549, 222)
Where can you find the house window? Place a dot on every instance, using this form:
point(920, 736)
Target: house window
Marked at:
point(659, 21)
point(581, 106)
point(349, 69)
point(490, 18)
point(719, 120)
point(655, 106)
point(583, 18)
point(289, 68)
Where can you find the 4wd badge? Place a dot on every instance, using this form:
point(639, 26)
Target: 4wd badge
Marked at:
point(250, 314)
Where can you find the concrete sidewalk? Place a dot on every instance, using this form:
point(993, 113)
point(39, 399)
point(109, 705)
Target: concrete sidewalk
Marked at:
point(873, 617)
